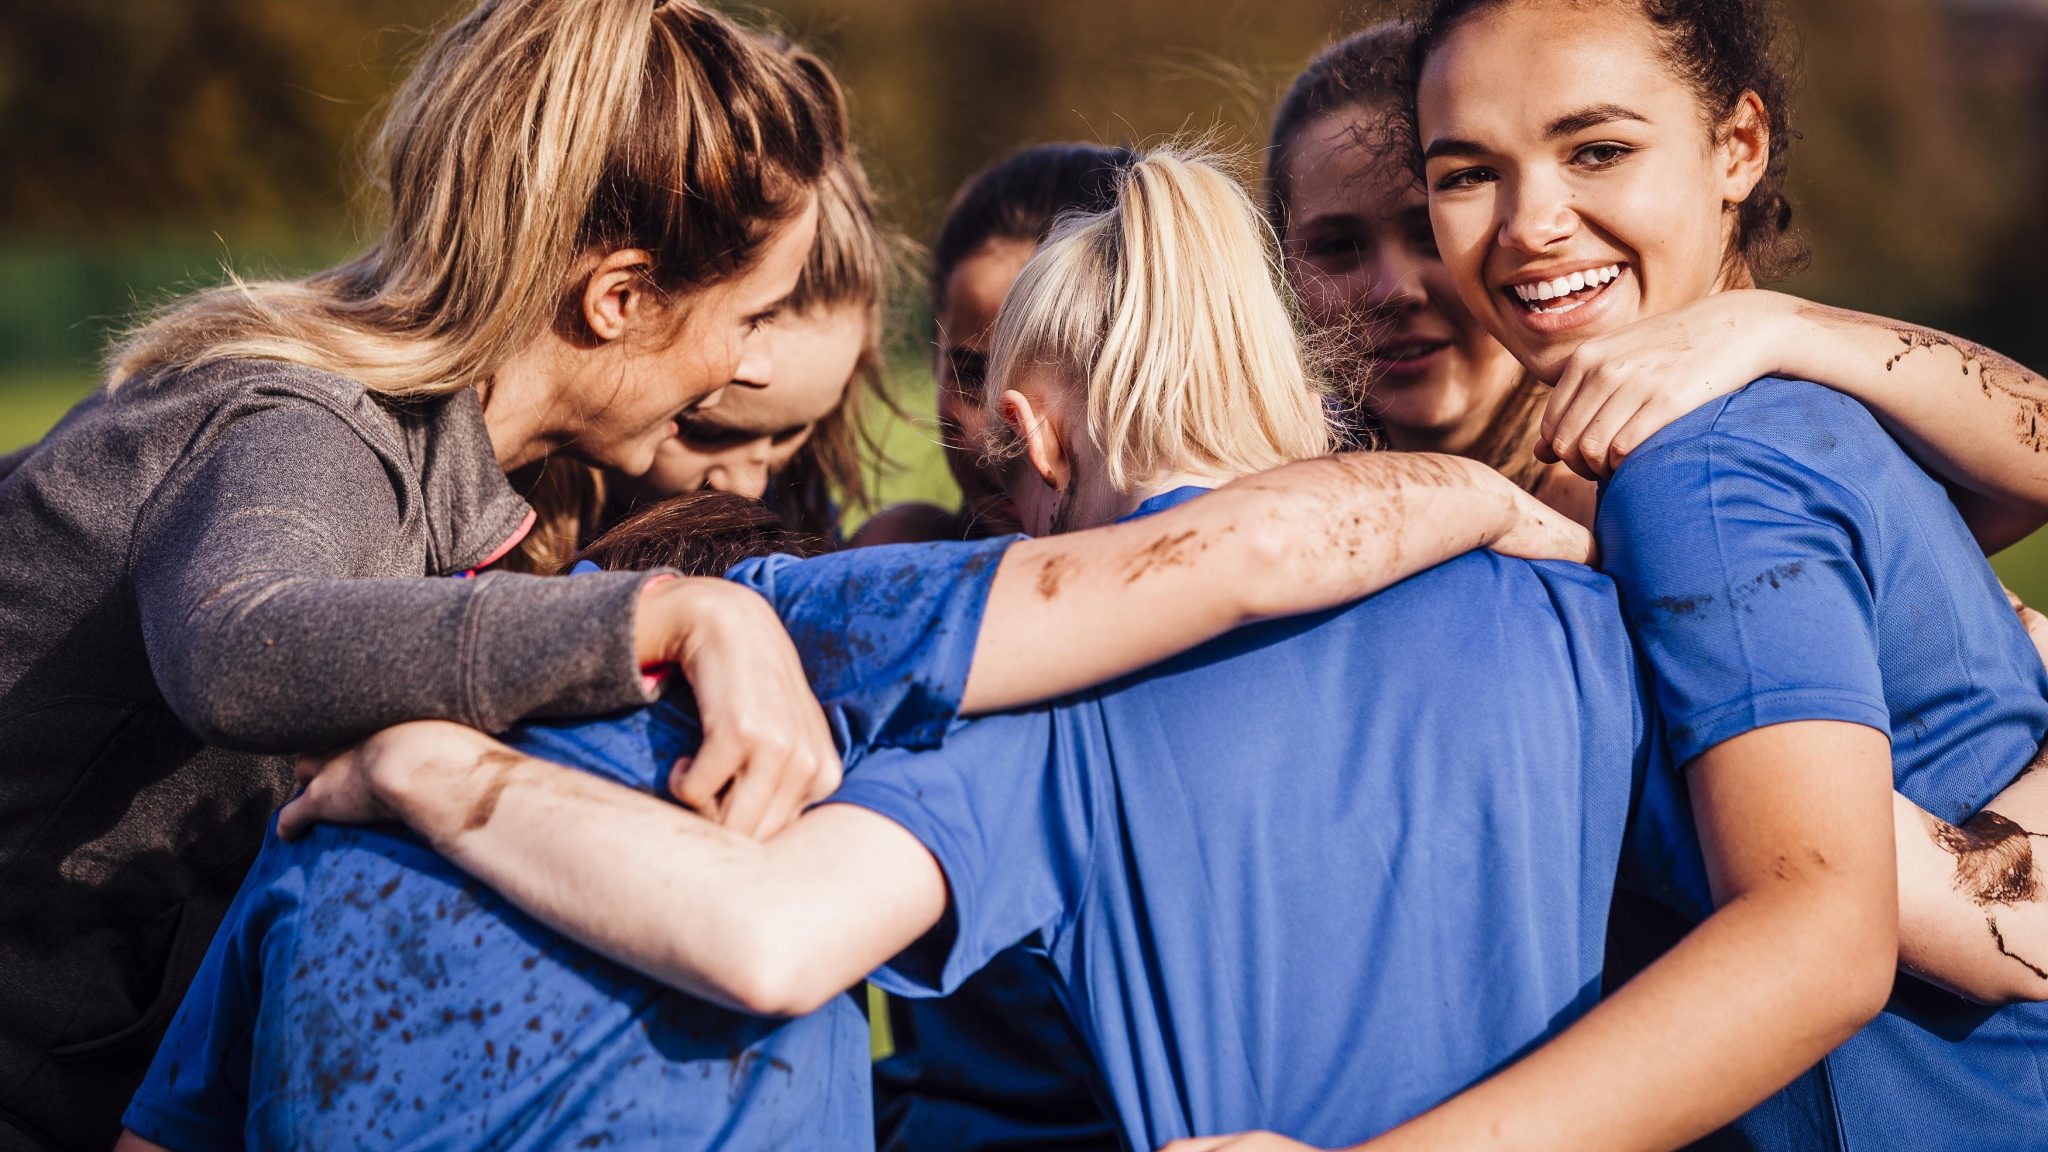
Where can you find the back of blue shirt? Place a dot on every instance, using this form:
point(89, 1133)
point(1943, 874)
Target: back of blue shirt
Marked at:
point(365, 992)
point(1316, 876)
point(1780, 559)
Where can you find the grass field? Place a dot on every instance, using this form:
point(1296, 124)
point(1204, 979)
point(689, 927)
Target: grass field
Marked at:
point(30, 402)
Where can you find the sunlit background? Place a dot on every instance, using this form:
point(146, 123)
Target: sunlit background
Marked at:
point(145, 143)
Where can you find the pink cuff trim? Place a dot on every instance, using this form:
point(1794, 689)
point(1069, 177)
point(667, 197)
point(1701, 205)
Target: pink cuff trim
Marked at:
point(505, 549)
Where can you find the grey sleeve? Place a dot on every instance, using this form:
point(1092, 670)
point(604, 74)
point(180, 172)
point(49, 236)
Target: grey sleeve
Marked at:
point(12, 460)
point(266, 630)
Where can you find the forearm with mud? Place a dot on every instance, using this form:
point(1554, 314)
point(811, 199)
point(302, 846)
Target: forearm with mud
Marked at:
point(1068, 612)
point(1975, 417)
point(1973, 898)
point(772, 927)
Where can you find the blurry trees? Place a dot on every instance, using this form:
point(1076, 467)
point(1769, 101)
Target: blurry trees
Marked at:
point(127, 122)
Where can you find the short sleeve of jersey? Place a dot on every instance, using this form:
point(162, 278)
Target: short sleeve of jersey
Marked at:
point(1008, 812)
point(886, 634)
point(1739, 576)
point(196, 1094)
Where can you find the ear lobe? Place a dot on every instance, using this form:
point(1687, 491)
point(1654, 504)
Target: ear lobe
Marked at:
point(615, 296)
point(1042, 448)
point(1746, 148)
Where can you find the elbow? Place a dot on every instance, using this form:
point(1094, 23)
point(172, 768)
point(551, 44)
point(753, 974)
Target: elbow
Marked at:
point(1864, 970)
point(772, 974)
point(1266, 546)
point(1866, 988)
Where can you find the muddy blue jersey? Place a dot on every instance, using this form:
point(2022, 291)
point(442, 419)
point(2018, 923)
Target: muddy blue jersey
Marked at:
point(1315, 876)
point(1781, 559)
point(364, 992)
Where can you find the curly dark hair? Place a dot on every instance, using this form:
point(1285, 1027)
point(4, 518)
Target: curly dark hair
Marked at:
point(1366, 70)
point(1720, 49)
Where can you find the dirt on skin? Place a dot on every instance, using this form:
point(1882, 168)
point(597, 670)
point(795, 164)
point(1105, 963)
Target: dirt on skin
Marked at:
point(1994, 868)
point(500, 765)
point(1995, 375)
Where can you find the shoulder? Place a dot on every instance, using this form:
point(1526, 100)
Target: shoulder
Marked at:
point(1784, 443)
point(1774, 417)
point(312, 402)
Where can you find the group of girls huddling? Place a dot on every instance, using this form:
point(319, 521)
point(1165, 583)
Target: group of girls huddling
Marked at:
point(1291, 780)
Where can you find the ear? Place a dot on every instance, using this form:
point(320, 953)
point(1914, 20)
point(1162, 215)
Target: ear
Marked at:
point(616, 296)
point(1745, 148)
point(1043, 449)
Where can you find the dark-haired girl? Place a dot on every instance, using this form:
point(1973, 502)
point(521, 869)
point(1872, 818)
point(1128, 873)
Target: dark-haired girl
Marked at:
point(997, 1063)
point(1803, 591)
point(995, 221)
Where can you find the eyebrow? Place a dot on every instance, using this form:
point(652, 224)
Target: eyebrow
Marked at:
point(1584, 118)
point(1569, 124)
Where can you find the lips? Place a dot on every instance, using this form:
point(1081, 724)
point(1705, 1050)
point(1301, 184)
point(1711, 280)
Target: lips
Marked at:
point(1405, 355)
point(1563, 293)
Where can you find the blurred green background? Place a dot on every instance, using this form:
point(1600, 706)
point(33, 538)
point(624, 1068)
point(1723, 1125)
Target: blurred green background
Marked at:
point(147, 143)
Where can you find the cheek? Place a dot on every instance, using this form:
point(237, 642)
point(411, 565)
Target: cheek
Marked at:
point(678, 470)
point(1461, 227)
point(1329, 299)
point(1442, 289)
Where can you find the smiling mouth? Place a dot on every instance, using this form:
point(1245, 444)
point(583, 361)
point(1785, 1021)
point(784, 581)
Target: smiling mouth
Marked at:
point(1565, 293)
point(1405, 351)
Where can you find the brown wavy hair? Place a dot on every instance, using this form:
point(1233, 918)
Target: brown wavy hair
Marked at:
point(531, 133)
point(1368, 71)
point(702, 534)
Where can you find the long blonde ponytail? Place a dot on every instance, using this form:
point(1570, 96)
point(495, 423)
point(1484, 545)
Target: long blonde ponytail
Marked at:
point(531, 133)
point(1169, 308)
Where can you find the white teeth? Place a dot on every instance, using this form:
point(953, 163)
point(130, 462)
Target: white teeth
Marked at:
point(1566, 285)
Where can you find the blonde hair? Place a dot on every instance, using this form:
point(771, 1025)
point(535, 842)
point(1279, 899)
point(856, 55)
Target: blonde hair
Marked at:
point(1169, 308)
point(849, 264)
point(531, 133)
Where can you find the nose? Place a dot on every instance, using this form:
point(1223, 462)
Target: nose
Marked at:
point(743, 472)
point(1394, 279)
point(756, 368)
point(1536, 215)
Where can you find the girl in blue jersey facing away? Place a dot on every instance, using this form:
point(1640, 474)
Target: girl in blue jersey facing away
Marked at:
point(363, 993)
point(996, 1064)
point(1237, 866)
point(1819, 620)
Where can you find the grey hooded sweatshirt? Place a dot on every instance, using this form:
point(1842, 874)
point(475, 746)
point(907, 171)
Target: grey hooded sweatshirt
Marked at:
point(200, 576)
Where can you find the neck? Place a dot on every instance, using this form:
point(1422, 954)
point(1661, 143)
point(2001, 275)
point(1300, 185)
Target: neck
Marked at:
point(516, 401)
point(1160, 486)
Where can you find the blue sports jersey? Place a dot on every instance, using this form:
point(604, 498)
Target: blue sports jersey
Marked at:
point(1315, 876)
point(365, 992)
point(1780, 558)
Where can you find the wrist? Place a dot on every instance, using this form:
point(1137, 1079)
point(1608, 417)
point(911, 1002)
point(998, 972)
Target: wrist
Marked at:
point(1788, 333)
point(437, 790)
point(671, 611)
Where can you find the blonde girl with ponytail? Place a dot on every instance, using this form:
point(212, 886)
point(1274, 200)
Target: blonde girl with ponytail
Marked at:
point(241, 547)
point(1147, 348)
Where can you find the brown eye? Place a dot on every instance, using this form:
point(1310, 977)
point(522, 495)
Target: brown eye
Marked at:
point(1601, 155)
